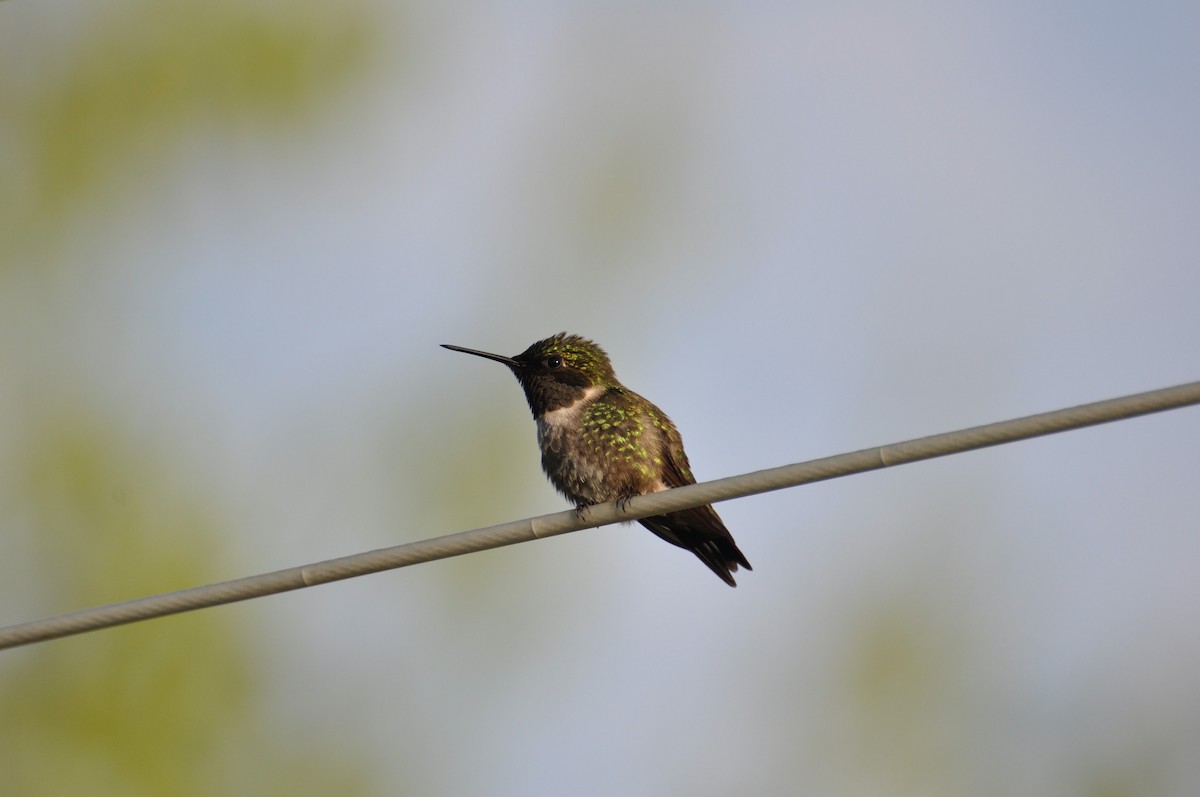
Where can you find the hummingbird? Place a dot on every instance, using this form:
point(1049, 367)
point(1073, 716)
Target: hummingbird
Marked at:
point(602, 442)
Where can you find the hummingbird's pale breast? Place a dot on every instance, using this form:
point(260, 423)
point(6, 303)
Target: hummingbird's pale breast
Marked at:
point(580, 479)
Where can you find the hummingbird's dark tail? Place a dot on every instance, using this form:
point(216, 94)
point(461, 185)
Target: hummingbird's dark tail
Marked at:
point(721, 559)
point(701, 531)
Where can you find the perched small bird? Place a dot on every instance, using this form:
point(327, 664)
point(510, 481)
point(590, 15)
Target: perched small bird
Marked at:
point(602, 442)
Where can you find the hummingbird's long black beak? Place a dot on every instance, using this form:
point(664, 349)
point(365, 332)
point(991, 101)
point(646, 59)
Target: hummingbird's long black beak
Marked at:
point(500, 358)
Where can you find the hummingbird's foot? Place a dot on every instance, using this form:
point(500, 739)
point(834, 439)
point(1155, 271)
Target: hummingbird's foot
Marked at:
point(623, 502)
point(581, 511)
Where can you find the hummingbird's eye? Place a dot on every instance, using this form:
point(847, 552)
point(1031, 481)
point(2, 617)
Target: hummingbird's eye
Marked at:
point(553, 361)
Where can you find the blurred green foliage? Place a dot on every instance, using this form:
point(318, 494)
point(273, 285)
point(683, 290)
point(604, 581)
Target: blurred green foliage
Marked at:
point(90, 108)
point(903, 679)
point(143, 75)
point(168, 707)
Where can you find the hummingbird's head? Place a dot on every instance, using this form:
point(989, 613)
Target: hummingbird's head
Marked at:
point(555, 372)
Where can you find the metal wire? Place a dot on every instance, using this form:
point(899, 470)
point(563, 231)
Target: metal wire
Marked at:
point(563, 522)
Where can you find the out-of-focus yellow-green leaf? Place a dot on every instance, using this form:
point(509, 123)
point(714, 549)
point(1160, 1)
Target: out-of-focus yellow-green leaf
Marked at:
point(143, 75)
point(166, 707)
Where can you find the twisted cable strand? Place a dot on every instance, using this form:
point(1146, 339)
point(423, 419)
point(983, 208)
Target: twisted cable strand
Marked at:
point(517, 531)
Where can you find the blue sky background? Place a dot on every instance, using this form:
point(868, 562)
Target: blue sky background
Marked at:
point(801, 229)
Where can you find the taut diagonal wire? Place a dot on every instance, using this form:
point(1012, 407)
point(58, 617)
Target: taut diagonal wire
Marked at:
point(563, 522)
